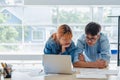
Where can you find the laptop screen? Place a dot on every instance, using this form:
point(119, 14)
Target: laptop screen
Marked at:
point(57, 64)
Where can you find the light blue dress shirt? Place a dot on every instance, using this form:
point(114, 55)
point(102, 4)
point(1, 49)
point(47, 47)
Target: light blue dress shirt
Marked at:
point(101, 50)
point(52, 47)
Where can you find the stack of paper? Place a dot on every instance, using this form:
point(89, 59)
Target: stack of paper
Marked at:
point(96, 73)
point(99, 71)
point(90, 76)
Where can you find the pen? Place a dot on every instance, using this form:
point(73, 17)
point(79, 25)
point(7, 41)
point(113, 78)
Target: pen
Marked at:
point(3, 65)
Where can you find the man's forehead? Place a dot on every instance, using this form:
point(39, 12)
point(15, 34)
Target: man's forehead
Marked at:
point(91, 36)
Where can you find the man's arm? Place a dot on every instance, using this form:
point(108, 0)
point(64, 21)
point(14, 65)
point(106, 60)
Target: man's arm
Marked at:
point(97, 64)
point(104, 49)
point(83, 64)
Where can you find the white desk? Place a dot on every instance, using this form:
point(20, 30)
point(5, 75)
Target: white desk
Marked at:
point(23, 75)
point(16, 75)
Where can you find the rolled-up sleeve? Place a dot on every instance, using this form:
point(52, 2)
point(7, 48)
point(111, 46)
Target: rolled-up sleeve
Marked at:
point(105, 49)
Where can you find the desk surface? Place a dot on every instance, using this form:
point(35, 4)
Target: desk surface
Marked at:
point(22, 75)
point(28, 76)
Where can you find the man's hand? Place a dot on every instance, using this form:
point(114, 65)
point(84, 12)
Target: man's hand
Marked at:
point(81, 57)
point(100, 63)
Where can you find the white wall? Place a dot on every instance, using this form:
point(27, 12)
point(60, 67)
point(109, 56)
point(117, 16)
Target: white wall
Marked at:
point(72, 2)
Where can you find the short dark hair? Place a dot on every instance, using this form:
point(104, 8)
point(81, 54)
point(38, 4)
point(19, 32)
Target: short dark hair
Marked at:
point(92, 28)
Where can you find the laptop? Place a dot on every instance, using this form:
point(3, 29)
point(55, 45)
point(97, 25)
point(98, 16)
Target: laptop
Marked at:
point(57, 64)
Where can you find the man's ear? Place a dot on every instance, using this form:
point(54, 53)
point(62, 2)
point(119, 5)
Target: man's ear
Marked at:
point(98, 36)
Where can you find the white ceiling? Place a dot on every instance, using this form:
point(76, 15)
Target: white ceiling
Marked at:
point(72, 2)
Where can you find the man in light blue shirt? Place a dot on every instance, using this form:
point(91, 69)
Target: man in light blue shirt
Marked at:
point(94, 48)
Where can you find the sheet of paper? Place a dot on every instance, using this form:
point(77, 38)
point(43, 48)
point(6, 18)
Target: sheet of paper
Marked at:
point(20, 76)
point(90, 76)
point(99, 71)
point(26, 76)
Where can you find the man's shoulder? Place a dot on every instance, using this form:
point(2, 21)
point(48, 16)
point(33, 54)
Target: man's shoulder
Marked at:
point(103, 36)
point(82, 37)
point(81, 40)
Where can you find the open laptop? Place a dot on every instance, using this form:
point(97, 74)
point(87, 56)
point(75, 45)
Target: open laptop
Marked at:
point(54, 64)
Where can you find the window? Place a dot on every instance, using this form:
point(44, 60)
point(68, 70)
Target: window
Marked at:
point(11, 2)
point(74, 14)
point(29, 27)
point(7, 15)
point(38, 35)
